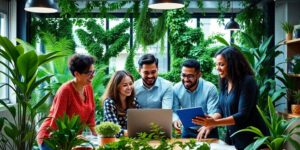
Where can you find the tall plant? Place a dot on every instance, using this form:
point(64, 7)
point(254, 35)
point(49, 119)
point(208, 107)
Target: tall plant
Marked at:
point(281, 130)
point(22, 63)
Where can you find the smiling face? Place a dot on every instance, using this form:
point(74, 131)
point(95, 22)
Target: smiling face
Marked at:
point(86, 77)
point(221, 66)
point(149, 73)
point(189, 78)
point(126, 86)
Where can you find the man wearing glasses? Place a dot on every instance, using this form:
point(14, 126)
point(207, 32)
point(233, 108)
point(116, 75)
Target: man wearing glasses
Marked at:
point(193, 91)
point(152, 91)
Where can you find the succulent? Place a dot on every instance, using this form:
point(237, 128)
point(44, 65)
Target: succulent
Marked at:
point(108, 129)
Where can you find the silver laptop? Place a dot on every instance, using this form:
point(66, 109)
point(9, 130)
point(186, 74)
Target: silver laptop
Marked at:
point(139, 120)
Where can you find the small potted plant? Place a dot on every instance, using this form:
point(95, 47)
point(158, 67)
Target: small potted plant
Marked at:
point(288, 29)
point(295, 108)
point(107, 132)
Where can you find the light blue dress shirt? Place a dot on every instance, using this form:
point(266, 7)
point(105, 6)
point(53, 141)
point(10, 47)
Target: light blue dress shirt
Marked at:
point(205, 95)
point(160, 95)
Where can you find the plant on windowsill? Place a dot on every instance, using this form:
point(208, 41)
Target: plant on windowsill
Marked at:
point(107, 131)
point(295, 108)
point(288, 29)
point(65, 137)
point(281, 130)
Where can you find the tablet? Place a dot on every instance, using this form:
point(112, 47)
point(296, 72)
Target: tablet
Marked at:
point(187, 114)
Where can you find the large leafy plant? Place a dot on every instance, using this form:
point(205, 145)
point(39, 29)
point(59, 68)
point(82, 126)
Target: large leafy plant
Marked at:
point(22, 63)
point(65, 137)
point(280, 130)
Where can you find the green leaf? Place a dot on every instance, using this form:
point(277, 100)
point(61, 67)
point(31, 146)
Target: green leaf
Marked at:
point(9, 48)
point(25, 46)
point(277, 143)
point(250, 129)
point(48, 57)
point(295, 143)
point(259, 142)
point(27, 64)
point(11, 109)
point(222, 40)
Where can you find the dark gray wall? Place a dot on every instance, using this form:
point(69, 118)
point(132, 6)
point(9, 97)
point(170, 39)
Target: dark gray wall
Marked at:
point(285, 11)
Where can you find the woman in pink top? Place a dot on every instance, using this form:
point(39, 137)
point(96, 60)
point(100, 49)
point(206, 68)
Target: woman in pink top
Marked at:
point(74, 97)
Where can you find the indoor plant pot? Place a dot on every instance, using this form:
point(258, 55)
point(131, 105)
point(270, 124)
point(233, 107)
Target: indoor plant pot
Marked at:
point(288, 29)
point(107, 132)
point(295, 108)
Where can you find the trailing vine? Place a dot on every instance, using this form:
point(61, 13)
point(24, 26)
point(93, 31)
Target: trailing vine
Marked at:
point(129, 65)
point(95, 38)
point(148, 33)
point(70, 7)
point(250, 20)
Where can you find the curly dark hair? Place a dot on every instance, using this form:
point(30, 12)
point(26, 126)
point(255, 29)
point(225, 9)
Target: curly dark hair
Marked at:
point(80, 63)
point(237, 66)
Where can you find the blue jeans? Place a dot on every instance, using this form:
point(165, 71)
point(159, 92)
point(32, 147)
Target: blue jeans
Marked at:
point(44, 146)
point(192, 133)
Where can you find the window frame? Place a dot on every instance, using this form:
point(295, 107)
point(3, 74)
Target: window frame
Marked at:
point(4, 16)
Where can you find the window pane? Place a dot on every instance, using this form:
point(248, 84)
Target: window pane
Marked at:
point(192, 23)
point(211, 26)
point(3, 78)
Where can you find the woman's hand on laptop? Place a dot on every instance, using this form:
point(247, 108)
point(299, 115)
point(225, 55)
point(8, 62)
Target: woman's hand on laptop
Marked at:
point(177, 124)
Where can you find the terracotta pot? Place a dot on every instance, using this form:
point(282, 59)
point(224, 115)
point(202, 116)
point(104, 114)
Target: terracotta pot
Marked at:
point(295, 108)
point(288, 36)
point(106, 140)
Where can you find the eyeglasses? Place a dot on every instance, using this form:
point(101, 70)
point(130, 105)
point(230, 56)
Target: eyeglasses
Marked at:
point(89, 72)
point(188, 76)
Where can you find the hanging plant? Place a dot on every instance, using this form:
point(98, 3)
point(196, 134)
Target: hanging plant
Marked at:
point(148, 33)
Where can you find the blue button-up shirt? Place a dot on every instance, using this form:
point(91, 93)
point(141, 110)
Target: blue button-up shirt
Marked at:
point(160, 95)
point(205, 95)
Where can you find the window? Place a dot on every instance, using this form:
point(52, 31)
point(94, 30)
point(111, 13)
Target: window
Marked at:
point(211, 26)
point(3, 79)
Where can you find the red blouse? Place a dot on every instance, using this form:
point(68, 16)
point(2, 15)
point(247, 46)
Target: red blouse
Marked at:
point(67, 100)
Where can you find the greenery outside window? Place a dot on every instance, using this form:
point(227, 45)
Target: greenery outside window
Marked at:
point(210, 26)
point(118, 63)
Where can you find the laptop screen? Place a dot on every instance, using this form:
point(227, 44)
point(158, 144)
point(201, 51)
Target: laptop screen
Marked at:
point(139, 120)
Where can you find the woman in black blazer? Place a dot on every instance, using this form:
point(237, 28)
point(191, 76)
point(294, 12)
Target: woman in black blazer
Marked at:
point(238, 98)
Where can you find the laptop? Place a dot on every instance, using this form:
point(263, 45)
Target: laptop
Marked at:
point(139, 120)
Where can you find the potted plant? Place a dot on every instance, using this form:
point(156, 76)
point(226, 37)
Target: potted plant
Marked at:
point(66, 136)
point(288, 29)
point(22, 64)
point(281, 130)
point(295, 108)
point(107, 131)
